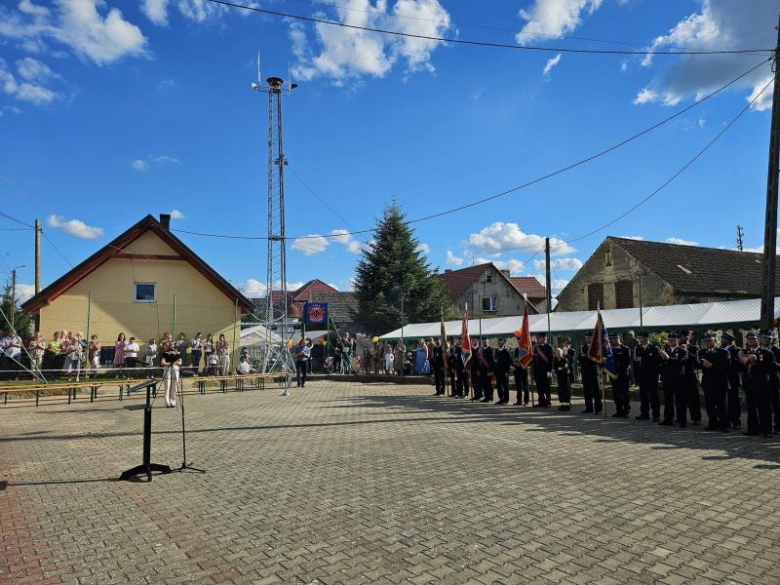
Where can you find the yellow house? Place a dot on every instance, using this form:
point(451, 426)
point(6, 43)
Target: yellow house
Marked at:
point(144, 283)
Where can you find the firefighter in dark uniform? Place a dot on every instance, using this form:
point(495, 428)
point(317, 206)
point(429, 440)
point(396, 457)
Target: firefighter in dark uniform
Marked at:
point(437, 365)
point(486, 368)
point(715, 365)
point(563, 369)
point(690, 379)
point(760, 368)
point(589, 374)
point(503, 363)
point(456, 368)
point(543, 367)
point(473, 365)
point(671, 371)
point(571, 355)
point(450, 365)
point(733, 406)
point(647, 361)
point(621, 357)
point(765, 340)
point(521, 380)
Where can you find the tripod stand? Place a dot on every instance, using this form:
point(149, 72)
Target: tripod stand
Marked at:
point(146, 467)
point(184, 465)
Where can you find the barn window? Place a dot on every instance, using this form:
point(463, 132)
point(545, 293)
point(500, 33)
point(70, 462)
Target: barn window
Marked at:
point(595, 296)
point(489, 304)
point(624, 294)
point(145, 292)
point(608, 258)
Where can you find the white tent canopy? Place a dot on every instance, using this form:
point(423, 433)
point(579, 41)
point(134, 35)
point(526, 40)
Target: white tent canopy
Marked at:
point(257, 335)
point(724, 313)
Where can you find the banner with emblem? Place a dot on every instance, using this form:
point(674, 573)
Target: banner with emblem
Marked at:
point(315, 314)
point(525, 355)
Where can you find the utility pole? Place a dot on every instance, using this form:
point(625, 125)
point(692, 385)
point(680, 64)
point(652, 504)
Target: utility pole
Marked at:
point(770, 220)
point(37, 256)
point(740, 238)
point(13, 298)
point(548, 282)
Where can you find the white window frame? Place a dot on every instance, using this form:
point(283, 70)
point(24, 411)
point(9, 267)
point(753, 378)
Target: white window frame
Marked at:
point(135, 292)
point(494, 304)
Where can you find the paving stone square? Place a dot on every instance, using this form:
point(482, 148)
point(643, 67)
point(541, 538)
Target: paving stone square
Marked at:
point(380, 483)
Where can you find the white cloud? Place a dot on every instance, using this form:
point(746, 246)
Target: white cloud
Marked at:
point(311, 244)
point(74, 227)
point(24, 90)
point(139, 165)
point(499, 238)
point(553, 17)
point(558, 285)
point(143, 164)
point(90, 28)
point(640, 238)
point(560, 264)
point(453, 260)
point(33, 70)
point(648, 95)
point(343, 53)
point(680, 242)
point(176, 214)
point(511, 264)
point(344, 237)
point(253, 288)
point(156, 11)
point(424, 248)
point(550, 64)
point(624, 65)
point(719, 24)
point(24, 292)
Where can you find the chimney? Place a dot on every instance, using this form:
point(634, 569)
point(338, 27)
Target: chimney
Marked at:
point(505, 273)
point(447, 270)
point(165, 220)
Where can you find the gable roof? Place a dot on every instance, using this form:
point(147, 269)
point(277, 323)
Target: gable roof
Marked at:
point(342, 306)
point(314, 285)
point(700, 270)
point(115, 249)
point(457, 282)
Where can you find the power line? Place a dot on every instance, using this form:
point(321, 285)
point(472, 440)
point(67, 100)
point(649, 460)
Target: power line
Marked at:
point(487, 43)
point(519, 187)
point(321, 200)
point(56, 249)
point(19, 221)
point(680, 171)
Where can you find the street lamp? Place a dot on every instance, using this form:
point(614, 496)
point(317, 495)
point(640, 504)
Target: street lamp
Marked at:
point(13, 293)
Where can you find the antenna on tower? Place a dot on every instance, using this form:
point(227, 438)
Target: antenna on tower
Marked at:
point(740, 238)
point(259, 75)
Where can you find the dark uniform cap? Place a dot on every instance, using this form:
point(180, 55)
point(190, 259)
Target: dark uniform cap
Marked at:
point(643, 334)
point(751, 335)
point(683, 332)
point(727, 337)
point(501, 340)
point(673, 335)
point(710, 336)
point(767, 334)
point(542, 334)
point(614, 335)
point(566, 340)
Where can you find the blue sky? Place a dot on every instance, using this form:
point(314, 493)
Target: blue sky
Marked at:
point(111, 110)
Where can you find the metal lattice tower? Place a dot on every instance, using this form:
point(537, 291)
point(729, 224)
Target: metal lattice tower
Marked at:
point(276, 356)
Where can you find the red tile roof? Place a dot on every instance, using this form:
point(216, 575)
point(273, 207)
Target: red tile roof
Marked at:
point(457, 282)
point(529, 286)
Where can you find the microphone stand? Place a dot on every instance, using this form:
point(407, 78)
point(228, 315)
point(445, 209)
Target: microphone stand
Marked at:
point(184, 465)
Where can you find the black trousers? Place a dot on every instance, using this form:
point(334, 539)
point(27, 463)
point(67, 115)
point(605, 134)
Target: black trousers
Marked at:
point(668, 386)
point(487, 385)
point(564, 390)
point(543, 387)
point(733, 405)
point(521, 384)
point(620, 394)
point(453, 380)
point(476, 384)
point(715, 405)
point(774, 401)
point(438, 379)
point(648, 396)
point(692, 398)
point(502, 384)
point(461, 383)
point(591, 390)
point(759, 412)
point(301, 367)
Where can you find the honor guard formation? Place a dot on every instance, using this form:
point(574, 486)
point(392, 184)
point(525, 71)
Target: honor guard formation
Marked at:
point(720, 368)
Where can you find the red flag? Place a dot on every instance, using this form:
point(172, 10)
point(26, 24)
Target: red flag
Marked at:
point(524, 342)
point(465, 341)
point(597, 343)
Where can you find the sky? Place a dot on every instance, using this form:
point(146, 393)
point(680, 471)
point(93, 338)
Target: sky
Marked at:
point(111, 110)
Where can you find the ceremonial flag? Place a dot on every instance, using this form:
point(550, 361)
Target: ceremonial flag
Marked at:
point(465, 341)
point(600, 351)
point(525, 356)
point(315, 314)
point(444, 340)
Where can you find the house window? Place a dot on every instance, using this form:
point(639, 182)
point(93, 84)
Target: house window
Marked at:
point(145, 292)
point(608, 258)
point(595, 296)
point(624, 294)
point(488, 304)
point(489, 278)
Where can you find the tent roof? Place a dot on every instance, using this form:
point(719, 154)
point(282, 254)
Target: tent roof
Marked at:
point(666, 317)
point(257, 334)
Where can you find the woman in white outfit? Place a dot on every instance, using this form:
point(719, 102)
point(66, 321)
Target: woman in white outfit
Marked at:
point(223, 351)
point(170, 360)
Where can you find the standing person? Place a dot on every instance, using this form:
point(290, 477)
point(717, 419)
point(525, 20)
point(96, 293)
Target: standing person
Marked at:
point(12, 345)
point(476, 382)
point(647, 361)
point(208, 352)
point(452, 372)
point(152, 349)
point(733, 406)
point(543, 368)
point(437, 365)
point(170, 360)
point(503, 363)
point(715, 365)
point(389, 359)
point(690, 379)
point(119, 351)
point(621, 378)
point(759, 366)
point(37, 348)
point(563, 368)
point(589, 372)
point(521, 380)
point(632, 342)
point(458, 371)
point(486, 365)
point(94, 353)
point(196, 345)
point(765, 340)
point(76, 355)
point(571, 354)
point(131, 355)
point(671, 373)
point(302, 356)
point(181, 346)
point(223, 351)
point(52, 357)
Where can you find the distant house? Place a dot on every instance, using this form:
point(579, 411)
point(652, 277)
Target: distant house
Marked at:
point(621, 269)
point(491, 292)
point(143, 283)
point(342, 309)
point(296, 298)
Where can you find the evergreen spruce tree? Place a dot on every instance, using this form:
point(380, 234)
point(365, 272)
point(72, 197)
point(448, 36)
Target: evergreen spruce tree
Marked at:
point(22, 322)
point(392, 270)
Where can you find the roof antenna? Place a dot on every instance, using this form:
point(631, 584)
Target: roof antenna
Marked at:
point(259, 75)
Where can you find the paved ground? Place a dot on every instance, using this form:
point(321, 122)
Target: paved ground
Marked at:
point(348, 483)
